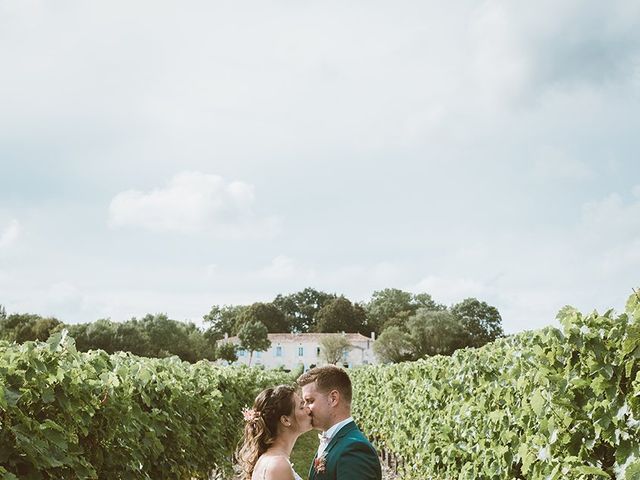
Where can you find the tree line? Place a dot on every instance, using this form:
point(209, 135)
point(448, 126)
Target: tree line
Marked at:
point(408, 326)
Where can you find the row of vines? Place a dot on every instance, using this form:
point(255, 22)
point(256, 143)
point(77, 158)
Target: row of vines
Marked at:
point(549, 404)
point(71, 415)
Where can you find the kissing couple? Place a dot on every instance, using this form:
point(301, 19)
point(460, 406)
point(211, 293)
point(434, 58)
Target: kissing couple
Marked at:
point(283, 413)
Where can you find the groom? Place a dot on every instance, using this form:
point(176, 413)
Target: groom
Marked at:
point(344, 452)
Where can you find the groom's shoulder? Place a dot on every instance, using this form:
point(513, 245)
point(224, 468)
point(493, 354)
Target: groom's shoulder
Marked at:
point(358, 441)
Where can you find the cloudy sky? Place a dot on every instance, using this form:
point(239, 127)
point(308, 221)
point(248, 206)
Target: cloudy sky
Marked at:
point(167, 156)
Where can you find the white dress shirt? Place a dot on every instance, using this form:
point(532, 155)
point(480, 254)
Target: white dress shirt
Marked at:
point(325, 437)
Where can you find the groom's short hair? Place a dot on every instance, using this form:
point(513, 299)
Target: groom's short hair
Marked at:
point(327, 378)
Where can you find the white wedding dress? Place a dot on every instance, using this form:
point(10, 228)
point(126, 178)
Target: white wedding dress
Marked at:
point(295, 475)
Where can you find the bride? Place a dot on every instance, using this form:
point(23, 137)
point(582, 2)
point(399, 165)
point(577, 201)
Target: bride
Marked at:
point(278, 417)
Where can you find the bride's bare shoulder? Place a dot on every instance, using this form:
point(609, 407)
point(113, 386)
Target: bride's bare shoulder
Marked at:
point(278, 468)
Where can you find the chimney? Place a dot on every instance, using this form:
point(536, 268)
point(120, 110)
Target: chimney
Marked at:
point(226, 336)
point(373, 336)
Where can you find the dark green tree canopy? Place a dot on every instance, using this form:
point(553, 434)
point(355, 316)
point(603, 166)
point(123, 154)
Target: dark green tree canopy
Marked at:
point(227, 351)
point(392, 306)
point(301, 307)
point(482, 322)
point(223, 319)
point(267, 314)
point(23, 327)
point(151, 336)
point(340, 315)
point(434, 333)
point(393, 345)
point(253, 336)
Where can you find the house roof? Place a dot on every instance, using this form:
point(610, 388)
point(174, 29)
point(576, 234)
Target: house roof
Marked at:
point(308, 337)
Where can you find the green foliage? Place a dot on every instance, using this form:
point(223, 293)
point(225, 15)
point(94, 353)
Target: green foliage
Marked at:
point(547, 404)
point(334, 347)
point(434, 333)
point(223, 319)
point(22, 327)
point(227, 351)
point(389, 306)
point(151, 336)
point(67, 414)
point(301, 307)
point(253, 336)
point(340, 315)
point(393, 345)
point(265, 313)
point(482, 322)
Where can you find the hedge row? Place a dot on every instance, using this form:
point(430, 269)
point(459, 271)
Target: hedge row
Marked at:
point(67, 415)
point(549, 404)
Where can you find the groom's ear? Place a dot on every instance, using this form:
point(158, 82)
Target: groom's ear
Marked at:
point(334, 397)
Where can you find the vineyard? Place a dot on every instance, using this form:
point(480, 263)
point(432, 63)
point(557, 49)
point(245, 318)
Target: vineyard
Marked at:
point(546, 404)
point(549, 404)
point(67, 415)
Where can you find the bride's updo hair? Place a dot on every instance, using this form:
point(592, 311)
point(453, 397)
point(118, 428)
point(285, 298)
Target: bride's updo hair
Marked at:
point(261, 425)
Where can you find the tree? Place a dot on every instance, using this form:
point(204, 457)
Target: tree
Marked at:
point(482, 322)
point(301, 307)
point(227, 351)
point(340, 315)
point(101, 335)
point(393, 306)
point(434, 333)
point(267, 314)
point(223, 319)
point(253, 337)
point(151, 336)
point(131, 337)
point(393, 345)
point(42, 328)
point(79, 333)
point(23, 327)
point(334, 347)
point(198, 346)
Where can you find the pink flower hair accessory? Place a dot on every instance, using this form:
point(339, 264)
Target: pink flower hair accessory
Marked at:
point(250, 414)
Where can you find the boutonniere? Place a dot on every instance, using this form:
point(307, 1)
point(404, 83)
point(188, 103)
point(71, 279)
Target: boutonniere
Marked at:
point(320, 464)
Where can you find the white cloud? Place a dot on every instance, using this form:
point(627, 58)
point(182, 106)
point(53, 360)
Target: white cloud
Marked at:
point(280, 268)
point(450, 290)
point(10, 234)
point(193, 202)
point(64, 297)
point(613, 219)
point(398, 131)
point(611, 231)
point(555, 163)
point(500, 67)
point(621, 257)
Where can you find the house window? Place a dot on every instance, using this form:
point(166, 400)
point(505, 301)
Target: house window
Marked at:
point(278, 351)
point(300, 351)
point(317, 351)
point(258, 354)
point(241, 353)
